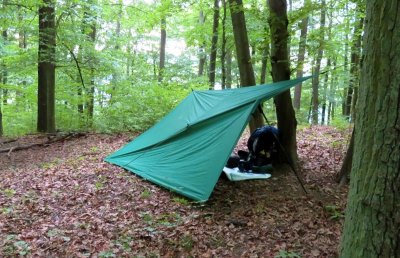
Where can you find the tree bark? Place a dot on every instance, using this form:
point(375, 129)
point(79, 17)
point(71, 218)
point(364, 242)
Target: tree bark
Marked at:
point(346, 58)
point(202, 54)
point(264, 64)
point(91, 90)
point(344, 172)
point(223, 46)
point(354, 70)
point(4, 72)
point(332, 92)
point(300, 61)
point(228, 58)
point(46, 68)
point(372, 221)
point(214, 42)
point(315, 81)
point(287, 123)
point(246, 71)
point(163, 42)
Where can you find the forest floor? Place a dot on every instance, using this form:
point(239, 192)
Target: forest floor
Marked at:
point(63, 200)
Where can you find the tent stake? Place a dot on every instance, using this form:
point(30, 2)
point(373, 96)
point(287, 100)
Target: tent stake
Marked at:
point(284, 152)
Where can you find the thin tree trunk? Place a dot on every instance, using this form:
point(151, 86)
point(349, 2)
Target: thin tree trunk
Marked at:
point(4, 72)
point(372, 221)
point(3, 79)
point(46, 68)
point(163, 42)
point(228, 58)
point(325, 92)
point(315, 81)
point(202, 52)
point(81, 85)
point(280, 63)
point(346, 58)
point(332, 92)
point(300, 61)
point(264, 60)
point(354, 70)
point(90, 93)
point(115, 74)
point(243, 55)
point(328, 66)
point(223, 47)
point(214, 42)
point(22, 44)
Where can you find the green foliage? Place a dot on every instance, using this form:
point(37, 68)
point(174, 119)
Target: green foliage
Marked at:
point(145, 194)
point(287, 254)
point(340, 123)
point(107, 254)
point(9, 192)
point(122, 61)
point(186, 242)
point(334, 212)
point(181, 200)
point(13, 246)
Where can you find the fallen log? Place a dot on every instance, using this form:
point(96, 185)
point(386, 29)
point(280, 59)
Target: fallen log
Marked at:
point(8, 141)
point(50, 140)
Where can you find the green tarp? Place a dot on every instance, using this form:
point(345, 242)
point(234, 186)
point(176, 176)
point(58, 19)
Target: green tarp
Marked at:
point(187, 150)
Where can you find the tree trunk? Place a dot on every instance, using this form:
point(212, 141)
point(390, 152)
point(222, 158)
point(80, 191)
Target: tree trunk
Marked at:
point(228, 58)
point(92, 36)
point(332, 92)
point(287, 123)
point(346, 58)
point(300, 61)
point(202, 52)
point(90, 93)
point(325, 92)
point(354, 69)
point(264, 64)
point(315, 81)
point(4, 72)
point(163, 42)
point(46, 68)
point(243, 55)
point(223, 47)
point(372, 221)
point(264, 58)
point(214, 42)
point(344, 172)
point(3, 80)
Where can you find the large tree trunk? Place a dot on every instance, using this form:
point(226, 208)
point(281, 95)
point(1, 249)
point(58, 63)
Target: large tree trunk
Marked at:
point(315, 81)
point(46, 68)
point(243, 55)
point(281, 71)
point(214, 42)
point(372, 222)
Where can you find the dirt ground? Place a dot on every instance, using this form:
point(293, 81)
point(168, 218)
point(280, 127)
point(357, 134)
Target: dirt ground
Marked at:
point(63, 200)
